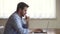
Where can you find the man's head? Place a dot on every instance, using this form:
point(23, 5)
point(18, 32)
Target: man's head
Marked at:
point(22, 8)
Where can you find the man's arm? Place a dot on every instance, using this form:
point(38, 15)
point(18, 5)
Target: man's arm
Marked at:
point(18, 25)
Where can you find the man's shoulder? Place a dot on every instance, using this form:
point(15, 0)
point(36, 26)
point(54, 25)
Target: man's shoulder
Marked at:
point(14, 15)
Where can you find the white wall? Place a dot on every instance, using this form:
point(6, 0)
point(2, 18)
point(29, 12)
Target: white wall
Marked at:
point(53, 23)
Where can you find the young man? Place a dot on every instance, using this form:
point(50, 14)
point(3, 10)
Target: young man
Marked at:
point(16, 24)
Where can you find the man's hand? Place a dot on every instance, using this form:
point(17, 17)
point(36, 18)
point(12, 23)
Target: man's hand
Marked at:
point(27, 19)
point(36, 30)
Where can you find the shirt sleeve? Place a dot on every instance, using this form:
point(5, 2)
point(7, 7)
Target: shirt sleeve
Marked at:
point(25, 24)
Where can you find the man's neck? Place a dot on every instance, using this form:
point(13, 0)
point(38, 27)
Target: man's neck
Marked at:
point(19, 14)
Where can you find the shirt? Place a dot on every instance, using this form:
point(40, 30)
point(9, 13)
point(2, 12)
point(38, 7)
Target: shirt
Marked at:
point(16, 25)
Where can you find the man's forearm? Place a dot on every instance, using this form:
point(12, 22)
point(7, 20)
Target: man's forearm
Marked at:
point(27, 24)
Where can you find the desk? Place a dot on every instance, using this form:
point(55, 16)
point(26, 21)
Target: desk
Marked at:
point(37, 31)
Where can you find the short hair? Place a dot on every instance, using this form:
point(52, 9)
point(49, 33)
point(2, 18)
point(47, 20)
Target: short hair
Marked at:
point(21, 5)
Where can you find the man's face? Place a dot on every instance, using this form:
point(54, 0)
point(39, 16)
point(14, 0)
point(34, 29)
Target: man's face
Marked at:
point(23, 12)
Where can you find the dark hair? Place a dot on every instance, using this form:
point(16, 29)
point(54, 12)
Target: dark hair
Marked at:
point(21, 5)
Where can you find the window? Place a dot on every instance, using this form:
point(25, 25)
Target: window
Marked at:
point(37, 8)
